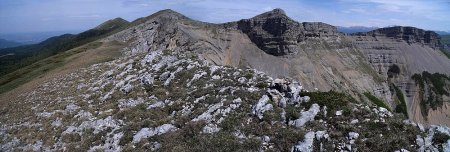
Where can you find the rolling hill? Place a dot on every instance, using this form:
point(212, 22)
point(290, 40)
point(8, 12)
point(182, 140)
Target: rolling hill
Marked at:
point(18, 57)
point(6, 44)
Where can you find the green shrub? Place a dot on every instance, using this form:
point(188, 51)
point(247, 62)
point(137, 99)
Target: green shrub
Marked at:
point(160, 93)
point(440, 138)
point(393, 71)
point(401, 108)
point(166, 52)
point(376, 101)
point(262, 85)
point(292, 112)
point(436, 85)
point(248, 75)
point(333, 100)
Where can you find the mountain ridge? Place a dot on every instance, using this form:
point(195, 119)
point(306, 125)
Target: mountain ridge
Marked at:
point(408, 34)
point(6, 43)
point(28, 54)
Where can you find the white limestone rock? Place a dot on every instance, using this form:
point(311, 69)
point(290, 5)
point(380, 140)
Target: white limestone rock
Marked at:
point(339, 112)
point(147, 79)
point(196, 77)
point(306, 116)
point(164, 76)
point(262, 106)
point(306, 145)
point(150, 132)
point(211, 128)
point(353, 135)
point(321, 134)
point(242, 80)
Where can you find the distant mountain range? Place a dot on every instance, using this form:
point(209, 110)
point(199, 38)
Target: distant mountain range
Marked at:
point(34, 37)
point(6, 43)
point(355, 29)
point(442, 33)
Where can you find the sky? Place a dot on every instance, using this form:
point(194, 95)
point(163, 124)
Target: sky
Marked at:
point(21, 16)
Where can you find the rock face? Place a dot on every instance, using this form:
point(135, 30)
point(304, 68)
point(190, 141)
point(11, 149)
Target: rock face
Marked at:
point(412, 51)
point(408, 34)
point(277, 34)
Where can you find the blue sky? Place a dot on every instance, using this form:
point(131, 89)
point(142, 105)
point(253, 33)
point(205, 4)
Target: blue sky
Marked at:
point(64, 15)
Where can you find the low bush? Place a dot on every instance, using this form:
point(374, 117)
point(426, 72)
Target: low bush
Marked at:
point(400, 108)
point(376, 101)
point(333, 100)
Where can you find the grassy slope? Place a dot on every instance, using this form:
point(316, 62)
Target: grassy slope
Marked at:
point(376, 101)
point(29, 54)
point(25, 74)
point(93, 52)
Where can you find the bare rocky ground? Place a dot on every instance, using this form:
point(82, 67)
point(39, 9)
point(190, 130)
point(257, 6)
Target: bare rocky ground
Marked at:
point(174, 101)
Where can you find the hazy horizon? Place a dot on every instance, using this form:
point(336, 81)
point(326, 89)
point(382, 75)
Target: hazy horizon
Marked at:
point(21, 16)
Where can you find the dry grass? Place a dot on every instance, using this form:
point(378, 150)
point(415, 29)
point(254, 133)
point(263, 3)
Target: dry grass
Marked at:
point(29, 77)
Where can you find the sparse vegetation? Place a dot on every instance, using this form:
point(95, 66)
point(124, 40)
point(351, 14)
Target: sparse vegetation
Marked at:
point(376, 101)
point(445, 40)
point(333, 100)
point(437, 85)
point(393, 71)
point(29, 54)
point(400, 108)
point(35, 70)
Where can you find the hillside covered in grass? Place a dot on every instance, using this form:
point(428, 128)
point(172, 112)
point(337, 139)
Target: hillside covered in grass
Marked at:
point(15, 58)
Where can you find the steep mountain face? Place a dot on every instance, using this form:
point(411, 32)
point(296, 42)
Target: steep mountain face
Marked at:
point(277, 34)
point(413, 51)
point(408, 34)
point(185, 85)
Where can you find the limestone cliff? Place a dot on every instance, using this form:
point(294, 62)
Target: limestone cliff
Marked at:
point(407, 34)
point(277, 34)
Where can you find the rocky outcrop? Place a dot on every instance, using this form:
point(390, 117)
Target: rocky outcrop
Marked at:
point(407, 34)
point(277, 34)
